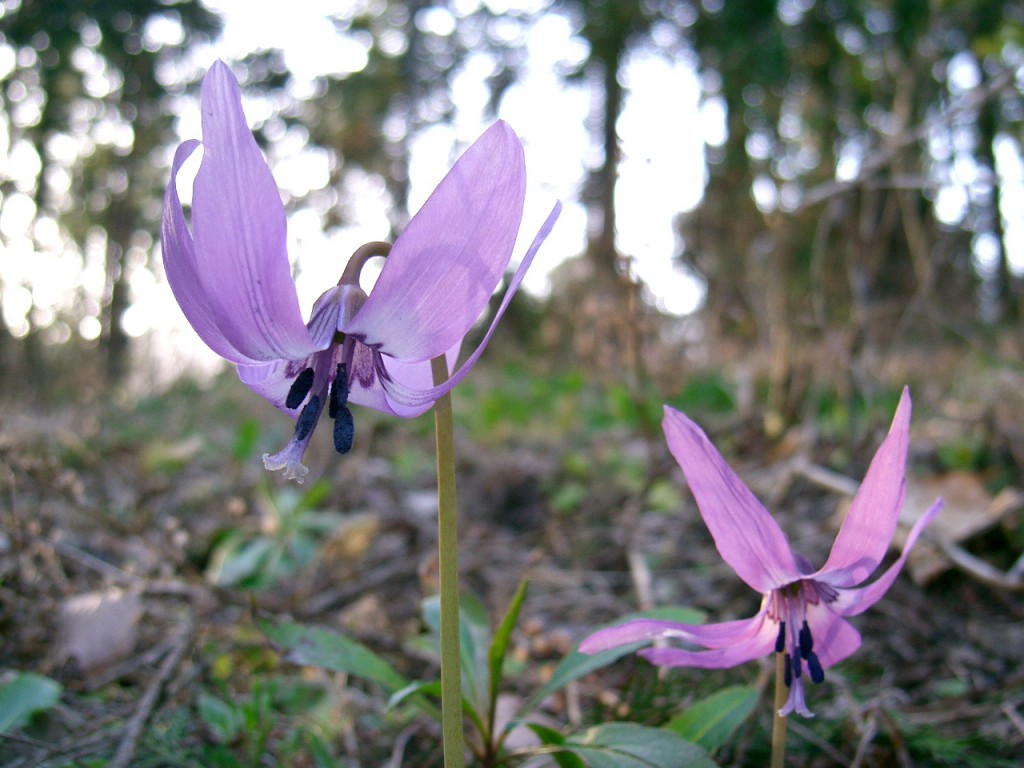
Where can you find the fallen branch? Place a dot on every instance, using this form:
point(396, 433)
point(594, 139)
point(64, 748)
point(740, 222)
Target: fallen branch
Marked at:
point(975, 567)
point(130, 738)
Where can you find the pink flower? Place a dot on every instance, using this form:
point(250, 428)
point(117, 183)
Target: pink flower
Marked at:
point(803, 611)
point(231, 276)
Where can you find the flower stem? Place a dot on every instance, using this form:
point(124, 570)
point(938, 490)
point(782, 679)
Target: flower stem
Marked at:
point(778, 721)
point(448, 564)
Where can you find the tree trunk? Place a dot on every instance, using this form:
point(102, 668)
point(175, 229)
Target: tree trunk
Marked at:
point(1005, 294)
point(603, 246)
point(116, 293)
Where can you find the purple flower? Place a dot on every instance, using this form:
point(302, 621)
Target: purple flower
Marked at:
point(803, 610)
point(231, 276)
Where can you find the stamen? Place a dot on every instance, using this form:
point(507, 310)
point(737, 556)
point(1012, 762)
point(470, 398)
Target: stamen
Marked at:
point(806, 641)
point(307, 418)
point(300, 388)
point(814, 667)
point(787, 674)
point(780, 641)
point(797, 664)
point(339, 390)
point(344, 430)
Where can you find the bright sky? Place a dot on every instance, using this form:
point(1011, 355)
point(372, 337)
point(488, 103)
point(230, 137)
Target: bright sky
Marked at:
point(663, 130)
point(662, 167)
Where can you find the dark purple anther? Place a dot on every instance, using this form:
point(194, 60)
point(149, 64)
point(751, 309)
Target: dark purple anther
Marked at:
point(307, 419)
point(339, 391)
point(806, 641)
point(814, 667)
point(344, 430)
point(780, 641)
point(300, 388)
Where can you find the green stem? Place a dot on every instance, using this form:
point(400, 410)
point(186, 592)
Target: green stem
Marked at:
point(778, 721)
point(448, 564)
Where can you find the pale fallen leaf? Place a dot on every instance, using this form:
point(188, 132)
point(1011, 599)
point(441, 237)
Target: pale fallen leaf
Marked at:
point(968, 509)
point(98, 628)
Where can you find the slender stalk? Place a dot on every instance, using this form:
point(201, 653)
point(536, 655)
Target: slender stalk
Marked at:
point(448, 564)
point(779, 722)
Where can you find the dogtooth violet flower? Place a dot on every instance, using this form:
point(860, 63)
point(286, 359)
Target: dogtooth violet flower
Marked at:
point(231, 276)
point(803, 611)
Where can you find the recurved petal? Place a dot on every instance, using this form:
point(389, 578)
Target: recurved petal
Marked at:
point(721, 635)
point(834, 637)
point(422, 398)
point(756, 646)
point(368, 390)
point(273, 380)
point(238, 226)
point(871, 520)
point(182, 270)
point(747, 537)
point(442, 270)
point(850, 602)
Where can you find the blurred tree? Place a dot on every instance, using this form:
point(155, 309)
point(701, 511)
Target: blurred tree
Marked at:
point(368, 119)
point(845, 121)
point(86, 100)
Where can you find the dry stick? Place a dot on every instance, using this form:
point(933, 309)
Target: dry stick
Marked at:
point(448, 566)
point(778, 721)
point(130, 738)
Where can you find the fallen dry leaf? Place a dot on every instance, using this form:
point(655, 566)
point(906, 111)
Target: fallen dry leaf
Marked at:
point(98, 628)
point(968, 509)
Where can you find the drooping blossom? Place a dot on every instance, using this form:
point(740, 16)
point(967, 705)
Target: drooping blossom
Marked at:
point(230, 274)
point(803, 611)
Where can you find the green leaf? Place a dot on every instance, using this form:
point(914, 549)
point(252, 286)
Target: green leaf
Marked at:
point(551, 737)
point(235, 560)
point(433, 687)
point(317, 647)
point(25, 695)
point(499, 645)
point(711, 721)
point(628, 745)
point(474, 639)
point(223, 719)
point(576, 664)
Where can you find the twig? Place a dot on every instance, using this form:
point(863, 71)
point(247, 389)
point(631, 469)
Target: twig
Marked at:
point(1013, 716)
point(976, 567)
point(130, 738)
point(970, 101)
point(90, 561)
point(802, 731)
point(824, 478)
point(642, 580)
point(374, 579)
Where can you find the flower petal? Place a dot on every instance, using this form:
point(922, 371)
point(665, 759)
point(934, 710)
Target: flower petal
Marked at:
point(370, 387)
point(796, 702)
point(719, 635)
point(834, 637)
point(239, 229)
point(442, 270)
point(871, 521)
point(272, 381)
point(182, 270)
point(425, 397)
point(747, 537)
point(851, 602)
point(759, 644)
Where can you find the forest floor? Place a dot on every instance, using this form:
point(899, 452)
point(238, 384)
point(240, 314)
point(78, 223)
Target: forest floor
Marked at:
point(143, 548)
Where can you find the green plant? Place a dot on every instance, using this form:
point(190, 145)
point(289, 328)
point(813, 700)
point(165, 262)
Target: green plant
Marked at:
point(483, 655)
point(275, 720)
point(286, 541)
